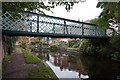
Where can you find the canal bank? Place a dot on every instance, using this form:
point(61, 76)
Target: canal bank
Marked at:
point(25, 65)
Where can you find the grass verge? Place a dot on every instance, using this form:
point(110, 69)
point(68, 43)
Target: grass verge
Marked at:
point(6, 59)
point(30, 58)
point(42, 72)
point(5, 62)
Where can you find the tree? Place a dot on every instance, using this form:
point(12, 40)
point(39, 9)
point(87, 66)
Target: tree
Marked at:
point(110, 16)
point(34, 6)
point(68, 4)
point(94, 21)
point(22, 6)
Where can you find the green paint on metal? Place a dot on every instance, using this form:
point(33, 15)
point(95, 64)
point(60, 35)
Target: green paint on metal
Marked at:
point(43, 25)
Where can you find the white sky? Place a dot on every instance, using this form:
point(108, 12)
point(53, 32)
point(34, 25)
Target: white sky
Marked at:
point(82, 11)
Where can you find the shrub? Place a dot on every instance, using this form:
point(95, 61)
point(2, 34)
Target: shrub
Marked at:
point(109, 48)
point(84, 44)
point(23, 45)
point(55, 45)
point(115, 44)
point(71, 43)
point(116, 56)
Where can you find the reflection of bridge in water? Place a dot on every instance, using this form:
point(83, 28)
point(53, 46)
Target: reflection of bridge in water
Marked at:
point(65, 62)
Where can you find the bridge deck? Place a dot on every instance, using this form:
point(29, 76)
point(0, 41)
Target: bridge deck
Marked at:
point(34, 24)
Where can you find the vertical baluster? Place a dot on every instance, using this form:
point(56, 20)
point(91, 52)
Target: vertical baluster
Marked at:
point(53, 29)
point(64, 26)
point(105, 33)
point(95, 30)
point(37, 23)
point(30, 26)
point(70, 29)
point(82, 29)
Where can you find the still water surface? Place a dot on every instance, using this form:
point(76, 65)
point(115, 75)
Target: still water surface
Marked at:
point(67, 65)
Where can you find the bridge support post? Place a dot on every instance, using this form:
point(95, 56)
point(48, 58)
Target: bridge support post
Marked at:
point(95, 31)
point(53, 29)
point(82, 30)
point(30, 26)
point(105, 32)
point(65, 28)
point(37, 23)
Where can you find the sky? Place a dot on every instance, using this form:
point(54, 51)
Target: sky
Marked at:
point(82, 11)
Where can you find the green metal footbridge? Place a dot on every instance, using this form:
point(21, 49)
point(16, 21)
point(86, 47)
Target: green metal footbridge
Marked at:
point(34, 24)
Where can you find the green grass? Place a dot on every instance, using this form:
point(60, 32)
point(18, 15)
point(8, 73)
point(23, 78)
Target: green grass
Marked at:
point(5, 62)
point(42, 72)
point(6, 59)
point(30, 58)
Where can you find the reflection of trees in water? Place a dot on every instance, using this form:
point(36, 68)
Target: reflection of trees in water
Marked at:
point(72, 59)
point(100, 68)
point(82, 67)
point(75, 60)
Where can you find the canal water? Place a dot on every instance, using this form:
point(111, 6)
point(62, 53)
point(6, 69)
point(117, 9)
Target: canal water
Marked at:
point(77, 67)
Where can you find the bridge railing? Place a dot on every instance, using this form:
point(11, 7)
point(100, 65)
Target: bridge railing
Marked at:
point(34, 22)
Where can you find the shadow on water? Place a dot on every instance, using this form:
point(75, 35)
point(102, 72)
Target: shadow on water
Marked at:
point(79, 66)
point(101, 68)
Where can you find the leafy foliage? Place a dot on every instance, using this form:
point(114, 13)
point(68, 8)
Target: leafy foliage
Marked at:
point(116, 56)
point(5, 62)
point(95, 21)
point(22, 6)
point(35, 6)
point(23, 45)
point(55, 45)
point(73, 43)
point(115, 43)
point(110, 14)
point(68, 5)
point(86, 47)
point(6, 59)
point(109, 50)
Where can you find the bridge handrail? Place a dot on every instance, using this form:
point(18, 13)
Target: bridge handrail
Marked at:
point(57, 18)
point(46, 25)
